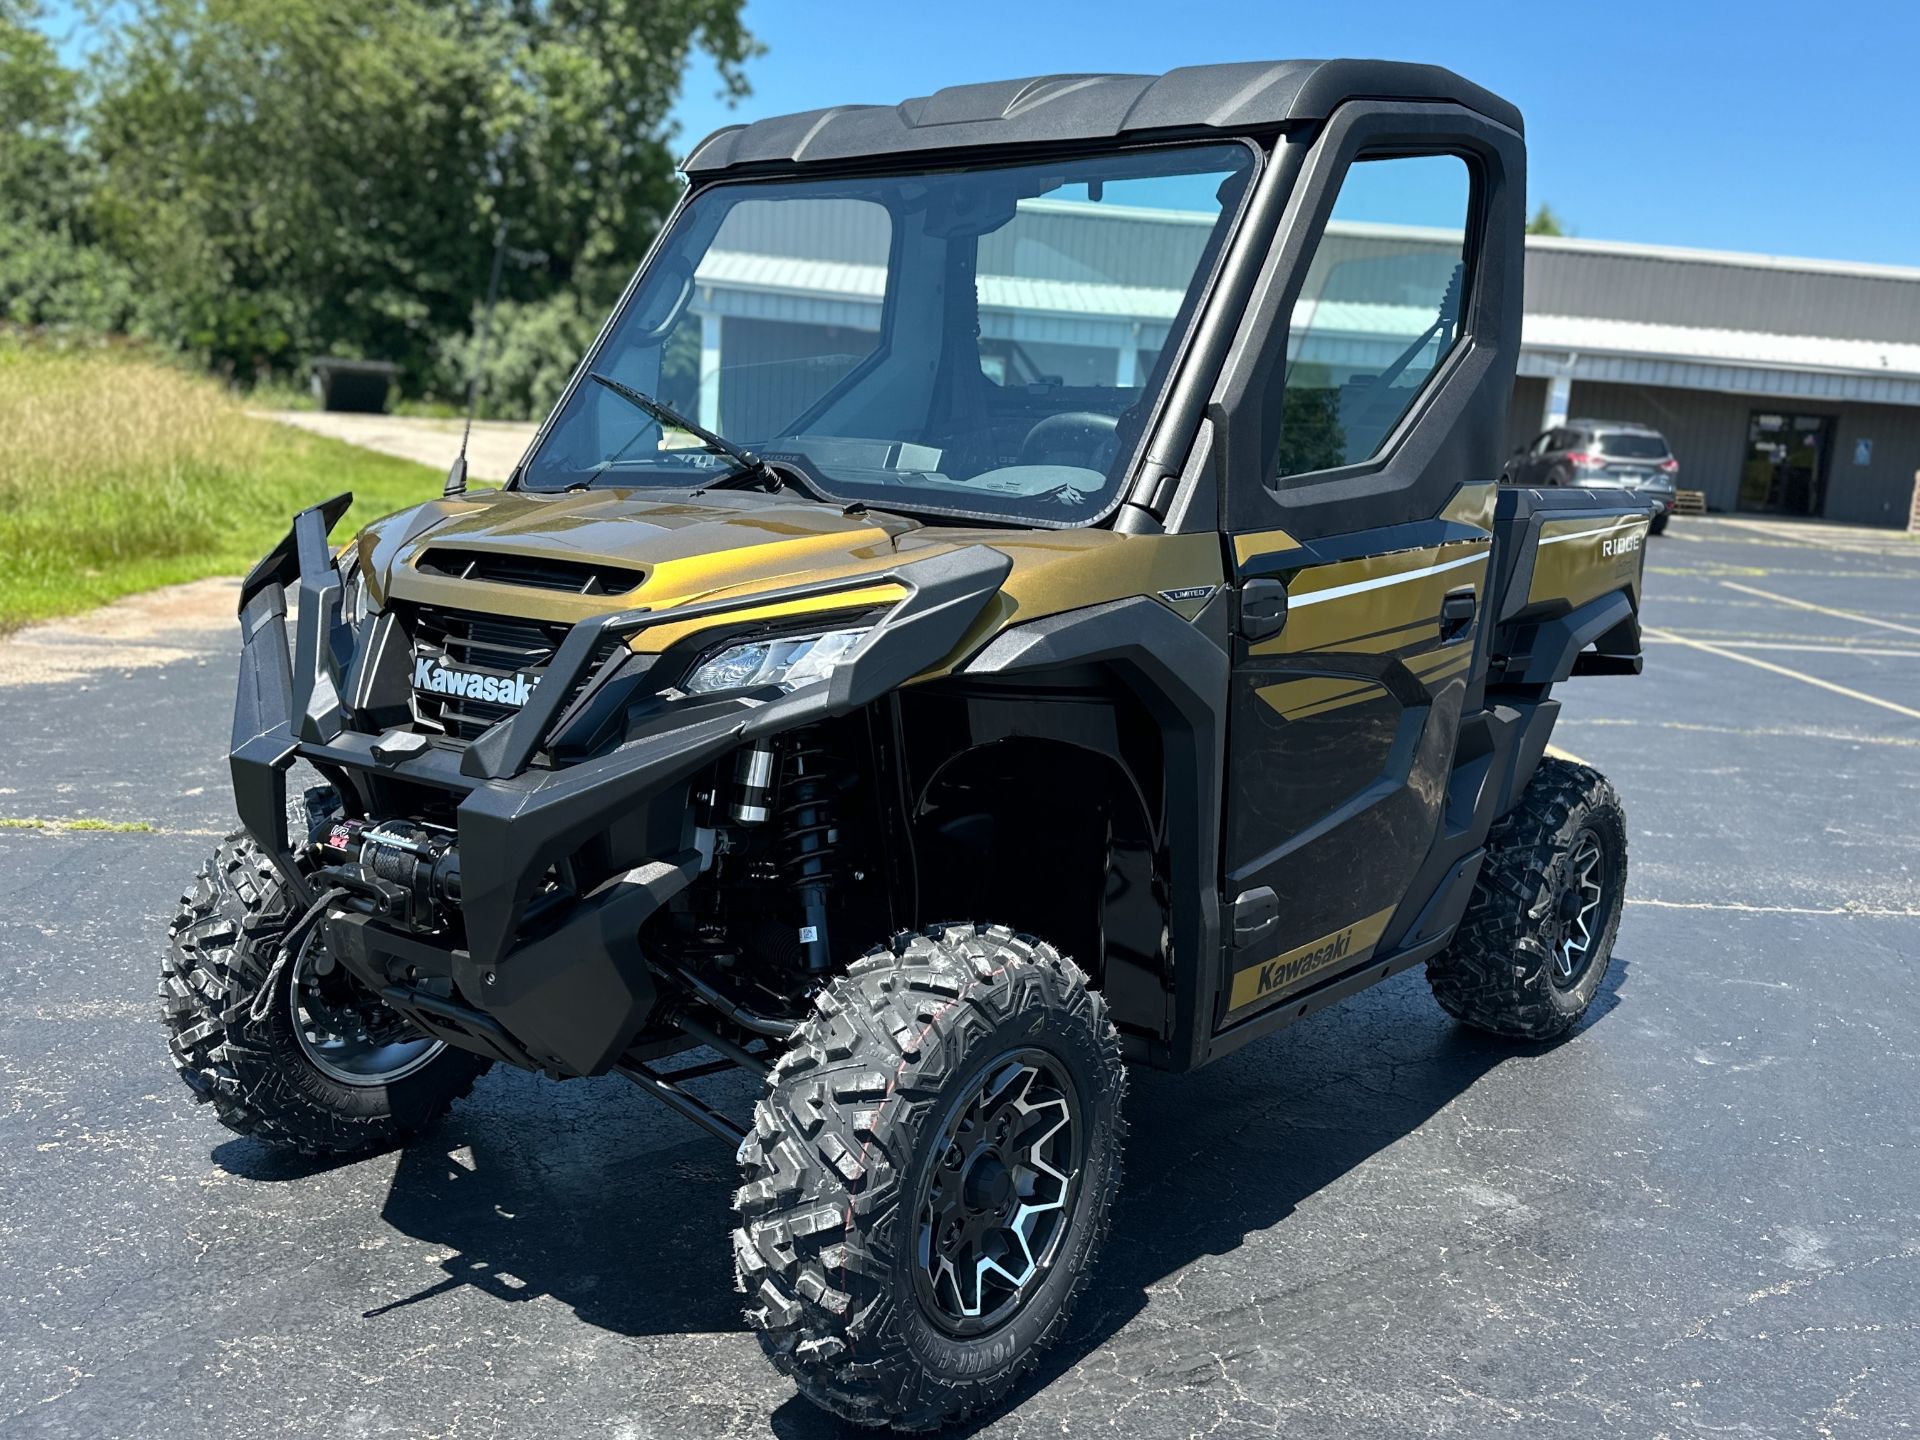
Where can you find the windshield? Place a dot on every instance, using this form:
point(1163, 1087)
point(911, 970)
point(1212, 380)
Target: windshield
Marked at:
point(1632, 445)
point(986, 343)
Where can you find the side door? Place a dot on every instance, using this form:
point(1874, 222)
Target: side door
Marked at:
point(1365, 442)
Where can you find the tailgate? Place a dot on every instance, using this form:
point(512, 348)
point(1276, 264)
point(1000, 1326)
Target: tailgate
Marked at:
point(1566, 576)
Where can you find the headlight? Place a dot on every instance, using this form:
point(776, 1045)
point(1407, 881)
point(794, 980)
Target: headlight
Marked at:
point(788, 661)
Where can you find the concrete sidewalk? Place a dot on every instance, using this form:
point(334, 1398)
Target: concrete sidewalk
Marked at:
point(496, 446)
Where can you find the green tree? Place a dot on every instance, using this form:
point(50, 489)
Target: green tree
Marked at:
point(50, 271)
point(296, 177)
point(1546, 222)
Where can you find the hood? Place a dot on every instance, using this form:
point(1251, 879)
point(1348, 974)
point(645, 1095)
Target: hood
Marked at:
point(565, 556)
point(568, 557)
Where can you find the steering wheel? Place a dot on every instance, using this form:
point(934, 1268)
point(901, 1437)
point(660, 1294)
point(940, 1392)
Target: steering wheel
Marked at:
point(1085, 438)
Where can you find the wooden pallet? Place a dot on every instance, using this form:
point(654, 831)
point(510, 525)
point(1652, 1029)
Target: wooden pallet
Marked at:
point(1913, 515)
point(1694, 502)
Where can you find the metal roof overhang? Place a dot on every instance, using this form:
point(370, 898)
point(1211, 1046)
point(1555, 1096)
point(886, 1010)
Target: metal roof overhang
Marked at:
point(829, 292)
point(1745, 362)
point(822, 292)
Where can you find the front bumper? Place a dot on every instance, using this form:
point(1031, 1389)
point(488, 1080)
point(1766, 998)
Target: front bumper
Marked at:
point(518, 813)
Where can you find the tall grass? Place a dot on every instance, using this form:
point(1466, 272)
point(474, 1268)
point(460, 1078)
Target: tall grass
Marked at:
point(118, 473)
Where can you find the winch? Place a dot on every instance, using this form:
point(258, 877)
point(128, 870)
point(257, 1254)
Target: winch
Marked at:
point(409, 871)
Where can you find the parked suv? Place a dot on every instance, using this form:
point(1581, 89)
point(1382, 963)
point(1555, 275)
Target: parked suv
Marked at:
point(929, 738)
point(1602, 454)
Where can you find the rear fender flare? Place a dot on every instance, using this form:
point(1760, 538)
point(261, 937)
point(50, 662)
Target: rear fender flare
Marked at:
point(1611, 622)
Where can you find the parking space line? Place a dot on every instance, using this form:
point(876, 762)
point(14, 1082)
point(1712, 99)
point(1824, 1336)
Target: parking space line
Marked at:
point(1783, 670)
point(1878, 912)
point(1796, 734)
point(1837, 647)
point(1821, 609)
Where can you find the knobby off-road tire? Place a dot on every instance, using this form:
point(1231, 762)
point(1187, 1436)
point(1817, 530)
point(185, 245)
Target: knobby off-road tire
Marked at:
point(871, 1134)
point(1556, 871)
point(256, 1074)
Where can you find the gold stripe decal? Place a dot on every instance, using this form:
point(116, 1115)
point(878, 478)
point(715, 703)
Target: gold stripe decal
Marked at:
point(1341, 949)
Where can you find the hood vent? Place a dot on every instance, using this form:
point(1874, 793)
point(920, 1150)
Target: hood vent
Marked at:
point(574, 577)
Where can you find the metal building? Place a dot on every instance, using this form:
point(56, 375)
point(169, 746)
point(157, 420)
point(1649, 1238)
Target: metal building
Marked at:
point(1782, 385)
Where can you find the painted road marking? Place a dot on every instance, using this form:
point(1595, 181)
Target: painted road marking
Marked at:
point(1794, 733)
point(1837, 647)
point(1713, 570)
point(1783, 670)
point(1873, 911)
point(1821, 609)
point(1852, 539)
point(1557, 753)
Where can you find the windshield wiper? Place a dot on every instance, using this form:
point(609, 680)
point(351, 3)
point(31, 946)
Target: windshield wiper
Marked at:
point(750, 464)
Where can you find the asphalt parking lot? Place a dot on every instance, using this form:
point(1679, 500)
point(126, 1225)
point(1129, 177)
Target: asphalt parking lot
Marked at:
point(1697, 1216)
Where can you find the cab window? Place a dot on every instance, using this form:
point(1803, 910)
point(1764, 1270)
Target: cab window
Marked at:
point(1380, 309)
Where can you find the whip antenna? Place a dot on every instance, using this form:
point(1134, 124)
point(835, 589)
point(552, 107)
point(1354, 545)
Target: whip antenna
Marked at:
point(457, 472)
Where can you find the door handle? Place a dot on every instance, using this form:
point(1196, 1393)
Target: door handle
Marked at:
point(1456, 612)
point(1263, 609)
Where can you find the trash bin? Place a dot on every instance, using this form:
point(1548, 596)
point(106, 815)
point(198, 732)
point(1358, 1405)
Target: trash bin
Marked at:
point(359, 385)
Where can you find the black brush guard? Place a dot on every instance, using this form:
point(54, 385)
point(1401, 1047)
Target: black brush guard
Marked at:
point(563, 991)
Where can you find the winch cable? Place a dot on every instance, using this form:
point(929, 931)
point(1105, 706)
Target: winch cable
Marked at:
point(294, 943)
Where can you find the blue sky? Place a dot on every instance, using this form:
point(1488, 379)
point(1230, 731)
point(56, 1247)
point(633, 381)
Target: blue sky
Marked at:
point(1782, 128)
point(1786, 129)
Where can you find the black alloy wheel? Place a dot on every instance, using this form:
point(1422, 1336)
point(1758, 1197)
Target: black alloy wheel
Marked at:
point(993, 1210)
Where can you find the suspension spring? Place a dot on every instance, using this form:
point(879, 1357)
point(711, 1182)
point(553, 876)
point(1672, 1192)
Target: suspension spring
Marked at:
point(809, 835)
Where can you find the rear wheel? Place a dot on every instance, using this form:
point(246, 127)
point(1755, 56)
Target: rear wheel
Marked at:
point(929, 1176)
point(1658, 526)
point(315, 1064)
point(1538, 934)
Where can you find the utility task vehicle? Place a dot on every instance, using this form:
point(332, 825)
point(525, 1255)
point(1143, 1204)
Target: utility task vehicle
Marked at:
point(1017, 589)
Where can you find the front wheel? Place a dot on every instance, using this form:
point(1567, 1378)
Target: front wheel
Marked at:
point(317, 1063)
point(929, 1175)
point(1538, 934)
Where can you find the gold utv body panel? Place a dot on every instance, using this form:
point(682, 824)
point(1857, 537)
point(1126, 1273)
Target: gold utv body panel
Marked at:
point(691, 552)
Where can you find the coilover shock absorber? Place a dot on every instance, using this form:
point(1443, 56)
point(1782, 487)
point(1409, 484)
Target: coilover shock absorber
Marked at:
point(809, 835)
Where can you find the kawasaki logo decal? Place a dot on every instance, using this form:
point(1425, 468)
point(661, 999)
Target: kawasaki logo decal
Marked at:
point(1339, 951)
point(430, 675)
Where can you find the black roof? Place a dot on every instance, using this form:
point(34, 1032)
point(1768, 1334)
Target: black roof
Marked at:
point(1056, 109)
